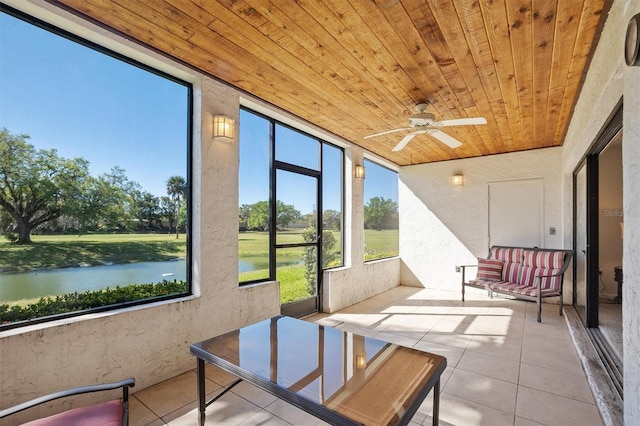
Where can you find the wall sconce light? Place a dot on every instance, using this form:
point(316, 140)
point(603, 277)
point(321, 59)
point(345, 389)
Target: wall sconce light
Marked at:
point(359, 172)
point(223, 128)
point(361, 362)
point(457, 179)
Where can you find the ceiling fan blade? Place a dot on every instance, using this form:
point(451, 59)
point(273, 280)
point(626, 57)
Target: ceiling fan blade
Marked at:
point(445, 138)
point(461, 122)
point(387, 131)
point(404, 142)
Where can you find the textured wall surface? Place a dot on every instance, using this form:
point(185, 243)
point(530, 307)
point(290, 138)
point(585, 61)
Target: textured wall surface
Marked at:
point(442, 226)
point(607, 81)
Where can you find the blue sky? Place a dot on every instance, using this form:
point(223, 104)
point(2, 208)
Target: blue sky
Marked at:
point(86, 104)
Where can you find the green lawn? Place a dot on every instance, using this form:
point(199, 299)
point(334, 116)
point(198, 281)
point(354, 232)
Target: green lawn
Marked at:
point(94, 249)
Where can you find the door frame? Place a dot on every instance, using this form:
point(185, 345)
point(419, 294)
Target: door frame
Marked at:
point(611, 128)
point(311, 304)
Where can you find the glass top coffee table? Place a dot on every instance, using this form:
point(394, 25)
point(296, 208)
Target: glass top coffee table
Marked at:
point(340, 377)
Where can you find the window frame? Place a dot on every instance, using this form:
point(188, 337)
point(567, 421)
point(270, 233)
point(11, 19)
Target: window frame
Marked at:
point(273, 166)
point(74, 38)
point(364, 203)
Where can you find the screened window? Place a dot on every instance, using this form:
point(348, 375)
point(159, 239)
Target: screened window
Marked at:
point(381, 226)
point(94, 176)
point(301, 164)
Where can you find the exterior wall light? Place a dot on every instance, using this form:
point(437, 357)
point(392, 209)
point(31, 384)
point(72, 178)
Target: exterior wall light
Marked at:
point(457, 179)
point(359, 172)
point(223, 128)
point(361, 362)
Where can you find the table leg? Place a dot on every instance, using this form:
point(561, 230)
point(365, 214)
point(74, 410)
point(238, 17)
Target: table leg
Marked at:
point(202, 403)
point(435, 416)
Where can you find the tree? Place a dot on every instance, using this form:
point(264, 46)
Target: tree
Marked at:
point(36, 185)
point(177, 189)
point(258, 216)
point(167, 210)
point(380, 213)
point(286, 214)
point(331, 219)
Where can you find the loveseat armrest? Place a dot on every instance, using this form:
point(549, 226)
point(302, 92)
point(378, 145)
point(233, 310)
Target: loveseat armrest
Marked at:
point(124, 384)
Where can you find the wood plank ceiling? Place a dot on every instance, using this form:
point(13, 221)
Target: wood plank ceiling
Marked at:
point(357, 67)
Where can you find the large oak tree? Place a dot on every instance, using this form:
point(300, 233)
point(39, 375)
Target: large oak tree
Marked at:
point(36, 184)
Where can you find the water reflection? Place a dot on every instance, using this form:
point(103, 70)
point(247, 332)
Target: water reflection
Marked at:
point(36, 284)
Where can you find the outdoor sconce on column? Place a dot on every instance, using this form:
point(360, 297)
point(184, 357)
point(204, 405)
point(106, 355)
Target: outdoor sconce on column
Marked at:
point(361, 361)
point(457, 179)
point(223, 128)
point(359, 172)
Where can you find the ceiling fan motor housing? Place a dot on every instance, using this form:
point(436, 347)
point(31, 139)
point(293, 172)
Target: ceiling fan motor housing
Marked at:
point(421, 119)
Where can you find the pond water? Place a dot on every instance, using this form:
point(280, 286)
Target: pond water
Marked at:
point(47, 282)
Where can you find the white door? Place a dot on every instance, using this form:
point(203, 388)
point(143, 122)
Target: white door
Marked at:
point(515, 213)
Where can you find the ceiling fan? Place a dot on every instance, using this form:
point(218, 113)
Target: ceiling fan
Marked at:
point(424, 122)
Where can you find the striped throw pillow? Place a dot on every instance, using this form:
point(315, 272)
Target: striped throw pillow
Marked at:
point(489, 269)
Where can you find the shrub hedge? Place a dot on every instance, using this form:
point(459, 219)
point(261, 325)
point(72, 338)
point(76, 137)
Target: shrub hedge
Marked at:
point(73, 302)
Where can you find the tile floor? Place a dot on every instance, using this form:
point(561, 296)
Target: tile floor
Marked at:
point(504, 368)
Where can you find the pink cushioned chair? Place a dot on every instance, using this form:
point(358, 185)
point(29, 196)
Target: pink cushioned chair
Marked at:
point(109, 413)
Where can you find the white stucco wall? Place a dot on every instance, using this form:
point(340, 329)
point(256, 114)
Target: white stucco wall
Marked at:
point(607, 81)
point(442, 226)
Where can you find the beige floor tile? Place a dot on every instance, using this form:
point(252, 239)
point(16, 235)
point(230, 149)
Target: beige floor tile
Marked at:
point(549, 409)
point(139, 415)
point(483, 390)
point(398, 339)
point(264, 418)
point(230, 410)
point(496, 345)
point(254, 394)
point(458, 341)
point(170, 395)
point(524, 422)
point(574, 386)
point(456, 411)
point(218, 375)
point(453, 355)
point(561, 361)
point(488, 365)
point(553, 331)
point(293, 415)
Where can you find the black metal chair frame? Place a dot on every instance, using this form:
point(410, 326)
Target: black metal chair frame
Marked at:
point(124, 384)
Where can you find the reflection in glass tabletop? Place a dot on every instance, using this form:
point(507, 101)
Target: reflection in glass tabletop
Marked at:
point(341, 377)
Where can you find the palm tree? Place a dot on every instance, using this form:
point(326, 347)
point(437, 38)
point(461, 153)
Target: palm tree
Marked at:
point(177, 189)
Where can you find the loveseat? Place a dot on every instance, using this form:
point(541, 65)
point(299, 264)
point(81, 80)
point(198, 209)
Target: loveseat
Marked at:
point(525, 273)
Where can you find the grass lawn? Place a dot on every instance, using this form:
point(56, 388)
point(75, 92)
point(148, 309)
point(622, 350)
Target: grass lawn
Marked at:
point(94, 249)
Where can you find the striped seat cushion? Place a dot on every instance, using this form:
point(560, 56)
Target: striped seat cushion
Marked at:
point(521, 289)
point(489, 270)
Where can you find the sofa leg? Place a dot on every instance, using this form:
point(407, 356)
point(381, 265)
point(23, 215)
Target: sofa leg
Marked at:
point(560, 310)
point(539, 311)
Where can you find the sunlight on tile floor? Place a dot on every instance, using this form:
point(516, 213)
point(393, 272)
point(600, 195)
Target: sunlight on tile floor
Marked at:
point(504, 368)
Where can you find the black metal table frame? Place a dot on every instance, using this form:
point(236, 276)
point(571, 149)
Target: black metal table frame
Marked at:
point(317, 410)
